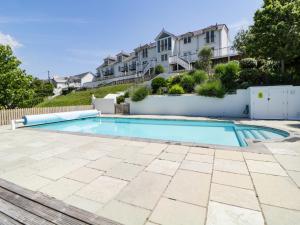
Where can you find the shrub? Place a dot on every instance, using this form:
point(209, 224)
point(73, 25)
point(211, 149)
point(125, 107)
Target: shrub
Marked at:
point(174, 79)
point(187, 83)
point(176, 89)
point(120, 99)
point(126, 94)
point(139, 93)
point(211, 88)
point(159, 69)
point(199, 76)
point(248, 63)
point(228, 74)
point(157, 83)
point(250, 75)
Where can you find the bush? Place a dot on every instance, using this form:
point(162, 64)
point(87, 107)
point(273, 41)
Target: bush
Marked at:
point(199, 76)
point(139, 93)
point(176, 90)
point(159, 69)
point(157, 83)
point(211, 88)
point(251, 76)
point(120, 99)
point(187, 83)
point(248, 63)
point(126, 94)
point(228, 74)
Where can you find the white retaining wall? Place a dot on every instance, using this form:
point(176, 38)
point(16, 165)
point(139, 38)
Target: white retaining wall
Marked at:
point(105, 105)
point(193, 105)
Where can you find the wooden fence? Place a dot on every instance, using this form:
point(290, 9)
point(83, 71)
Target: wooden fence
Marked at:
point(7, 115)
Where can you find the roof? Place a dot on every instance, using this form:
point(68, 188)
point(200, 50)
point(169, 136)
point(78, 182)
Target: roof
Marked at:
point(201, 31)
point(123, 53)
point(78, 76)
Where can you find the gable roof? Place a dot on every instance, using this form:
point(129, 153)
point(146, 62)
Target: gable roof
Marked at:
point(78, 77)
point(163, 34)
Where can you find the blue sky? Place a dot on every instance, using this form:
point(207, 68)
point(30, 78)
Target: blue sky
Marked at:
point(72, 36)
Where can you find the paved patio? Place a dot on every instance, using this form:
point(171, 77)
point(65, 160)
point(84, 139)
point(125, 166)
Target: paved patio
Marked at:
point(143, 183)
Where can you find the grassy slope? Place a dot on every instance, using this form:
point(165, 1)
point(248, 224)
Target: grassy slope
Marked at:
point(83, 97)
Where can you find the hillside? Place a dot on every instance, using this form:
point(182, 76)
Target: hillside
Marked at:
point(83, 97)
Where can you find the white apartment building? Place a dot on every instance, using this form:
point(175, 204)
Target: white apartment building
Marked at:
point(173, 52)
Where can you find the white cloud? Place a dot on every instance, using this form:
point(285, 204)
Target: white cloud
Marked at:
point(242, 24)
point(6, 39)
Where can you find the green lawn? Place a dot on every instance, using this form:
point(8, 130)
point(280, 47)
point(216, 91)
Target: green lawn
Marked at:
point(83, 97)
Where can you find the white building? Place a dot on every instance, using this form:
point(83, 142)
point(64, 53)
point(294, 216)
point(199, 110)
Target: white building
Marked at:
point(174, 52)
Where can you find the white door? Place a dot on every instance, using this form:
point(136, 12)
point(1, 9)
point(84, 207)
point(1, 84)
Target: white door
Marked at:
point(269, 102)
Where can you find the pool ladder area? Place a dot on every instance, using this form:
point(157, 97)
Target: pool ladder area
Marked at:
point(253, 134)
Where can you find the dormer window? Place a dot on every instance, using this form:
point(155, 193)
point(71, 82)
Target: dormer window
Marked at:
point(187, 40)
point(210, 36)
point(164, 44)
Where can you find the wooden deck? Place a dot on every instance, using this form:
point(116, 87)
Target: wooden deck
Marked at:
point(22, 206)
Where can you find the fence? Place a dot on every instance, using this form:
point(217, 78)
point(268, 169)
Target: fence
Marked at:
point(7, 115)
point(122, 109)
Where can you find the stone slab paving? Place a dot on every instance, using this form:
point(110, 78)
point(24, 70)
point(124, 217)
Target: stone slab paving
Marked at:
point(146, 183)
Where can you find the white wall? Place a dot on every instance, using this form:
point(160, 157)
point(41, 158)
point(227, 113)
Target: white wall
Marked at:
point(193, 105)
point(87, 78)
point(106, 106)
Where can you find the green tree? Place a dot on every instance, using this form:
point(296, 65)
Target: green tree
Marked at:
point(205, 55)
point(15, 85)
point(275, 34)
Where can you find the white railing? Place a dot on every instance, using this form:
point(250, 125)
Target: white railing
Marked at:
point(148, 67)
point(177, 60)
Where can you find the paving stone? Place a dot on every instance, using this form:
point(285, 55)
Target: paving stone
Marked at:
point(179, 149)
point(153, 149)
point(124, 152)
point(58, 171)
point(232, 155)
point(149, 223)
point(280, 216)
point(170, 212)
point(222, 214)
point(102, 189)
point(171, 156)
point(199, 158)
point(124, 171)
point(282, 148)
point(295, 177)
point(289, 162)
point(232, 179)
point(234, 196)
point(140, 159)
point(145, 190)
point(230, 166)
point(124, 213)
point(87, 154)
point(84, 174)
point(163, 167)
point(259, 157)
point(32, 182)
point(62, 188)
point(190, 187)
point(104, 163)
point(265, 167)
point(196, 166)
point(83, 203)
point(277, 191)
point(203, 151)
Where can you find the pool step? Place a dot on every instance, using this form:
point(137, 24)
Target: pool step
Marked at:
point(253, 134)
point(264, 134)
point(241, 137)
point(257, 135)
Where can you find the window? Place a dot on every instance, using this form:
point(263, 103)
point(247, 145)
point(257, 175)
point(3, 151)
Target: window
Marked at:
point(187, 40)
point(212, 36)
point(207, 37)
point(162, 46)
point(119, 58)
point(169, 43)
point(145, 53)
point(164, 57)
point(158, 46)
point(166, 44)
point(119, 68)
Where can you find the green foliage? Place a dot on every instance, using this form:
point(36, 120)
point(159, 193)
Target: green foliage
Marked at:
point(228, 74)
point(205, 55)
point(15, 84)
point(159, 69)
point(42, 88)
point(212, 88)
point(176, 90)
point(174, 80)
point(126, 94)
point(139, 93)
point(157, 83)
point(250, 75)
point(275, 36)
point(120, 99)
point(248, 63)
point(199, 76)
point(187, 83)
point(83, 97)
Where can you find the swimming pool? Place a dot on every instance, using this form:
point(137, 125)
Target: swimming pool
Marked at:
point(192, 131)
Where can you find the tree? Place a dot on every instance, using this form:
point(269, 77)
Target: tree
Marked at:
point(15, 84)
point(275, 34)
point(205, 55)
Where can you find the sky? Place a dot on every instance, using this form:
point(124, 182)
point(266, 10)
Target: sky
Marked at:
point(68, 37)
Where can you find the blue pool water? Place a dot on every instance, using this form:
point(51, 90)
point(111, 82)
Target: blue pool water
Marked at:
point(219, 133)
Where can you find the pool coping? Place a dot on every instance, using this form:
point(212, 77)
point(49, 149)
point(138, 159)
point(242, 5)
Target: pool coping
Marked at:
point(255, 146)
